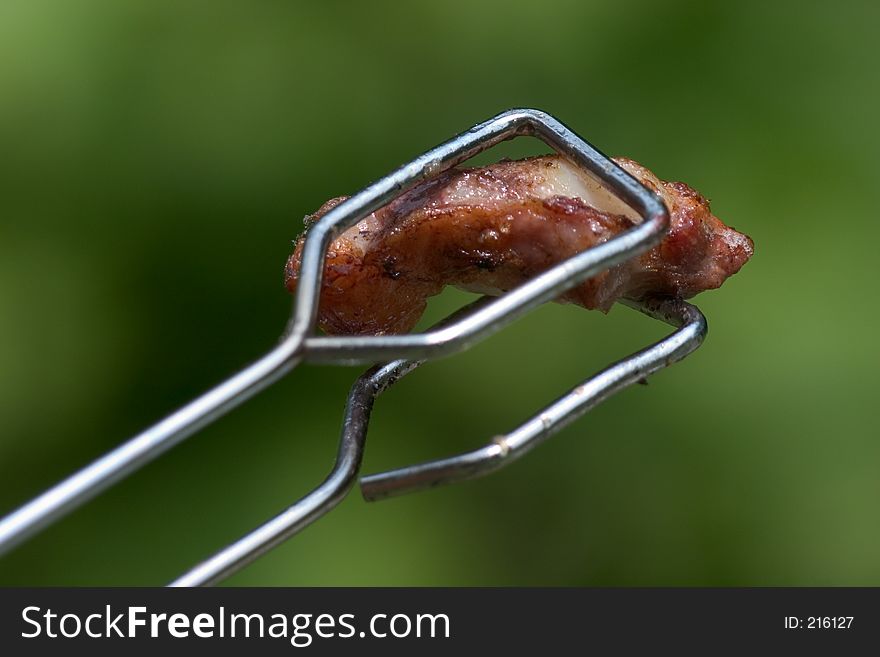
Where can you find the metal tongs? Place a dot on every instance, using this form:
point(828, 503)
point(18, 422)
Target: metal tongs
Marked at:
point(401, 354)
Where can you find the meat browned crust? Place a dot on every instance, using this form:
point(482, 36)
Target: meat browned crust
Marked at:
point(490, 229)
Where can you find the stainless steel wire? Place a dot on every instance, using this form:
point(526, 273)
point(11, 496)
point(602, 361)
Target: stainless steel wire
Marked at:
point(322, 499)
point(504, 449)
point(498, 453)
point(329, 492)
point(405, 352)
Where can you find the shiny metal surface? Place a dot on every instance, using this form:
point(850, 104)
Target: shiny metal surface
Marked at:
point(329, 492)
point(300, 342)
point(322, 499)
point(504, 449)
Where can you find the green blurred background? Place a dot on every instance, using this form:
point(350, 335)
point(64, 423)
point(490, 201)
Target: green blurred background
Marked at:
point(156, 159)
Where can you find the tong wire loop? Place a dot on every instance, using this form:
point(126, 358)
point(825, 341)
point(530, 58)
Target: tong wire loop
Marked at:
point(405, 352)
point(502, 450)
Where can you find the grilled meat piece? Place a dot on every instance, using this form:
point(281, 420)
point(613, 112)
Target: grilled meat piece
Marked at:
point(492, 228)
